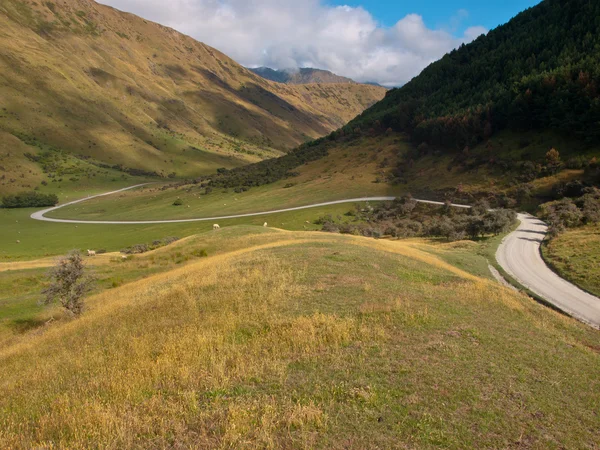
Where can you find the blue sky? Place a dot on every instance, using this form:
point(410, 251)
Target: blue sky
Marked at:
point(385, 41)
point(443, 14)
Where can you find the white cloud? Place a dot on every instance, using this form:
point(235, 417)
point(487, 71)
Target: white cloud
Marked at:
point(306, 33)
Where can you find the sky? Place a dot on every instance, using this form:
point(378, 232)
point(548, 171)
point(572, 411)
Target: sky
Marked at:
point(383, 41)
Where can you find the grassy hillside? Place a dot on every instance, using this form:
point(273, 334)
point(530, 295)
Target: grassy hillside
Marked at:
point(282, 339)
point(363, 166)
point(83, 78)
point(353, 171)
point(575, 255)
point(481, 122)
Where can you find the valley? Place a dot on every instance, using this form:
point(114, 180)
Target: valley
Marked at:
point(227, 257)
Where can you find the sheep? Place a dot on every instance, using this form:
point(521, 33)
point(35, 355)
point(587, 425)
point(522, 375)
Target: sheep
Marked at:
point(123, 258)
point(18, 241)
point(265, 224)
point(91, 253)
point(216, 226)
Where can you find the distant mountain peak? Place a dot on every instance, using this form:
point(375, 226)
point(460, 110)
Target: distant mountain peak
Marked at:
point(303, 75)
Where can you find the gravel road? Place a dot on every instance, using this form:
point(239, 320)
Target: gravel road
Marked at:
point(40, 215)
point(519, 255)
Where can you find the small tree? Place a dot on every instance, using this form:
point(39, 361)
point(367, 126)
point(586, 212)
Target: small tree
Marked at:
point(553, 157)
point(553, 160)
point(69, 283)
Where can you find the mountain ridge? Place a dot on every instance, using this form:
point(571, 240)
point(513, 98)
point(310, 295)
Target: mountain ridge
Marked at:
point(117, 89)
point(303, 75)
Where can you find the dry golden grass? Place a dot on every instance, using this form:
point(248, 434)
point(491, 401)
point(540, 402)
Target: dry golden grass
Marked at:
point(94, 81)
point(301, 340)
point(575, 254)
point(17, 173)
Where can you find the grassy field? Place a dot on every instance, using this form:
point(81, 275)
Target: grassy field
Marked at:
point(287, 339)
point(348, 172)
point(575, 255)
point(359, 168)
point(43, 239)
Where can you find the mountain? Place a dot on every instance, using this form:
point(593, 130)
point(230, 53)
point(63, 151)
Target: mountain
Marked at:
point(86, 80)
point(301, 76)
point(484, 118)
point(539, 71)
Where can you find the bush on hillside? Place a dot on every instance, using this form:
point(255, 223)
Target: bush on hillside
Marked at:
point(29, 200)
point(69, 283)
point(571, 213)
point(403, 217)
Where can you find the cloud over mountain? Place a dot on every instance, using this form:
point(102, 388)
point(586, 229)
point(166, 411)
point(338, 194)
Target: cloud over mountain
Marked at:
point(290, 33)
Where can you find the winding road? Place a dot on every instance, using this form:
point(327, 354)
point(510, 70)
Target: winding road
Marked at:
point(518, 254)
point(41, 215)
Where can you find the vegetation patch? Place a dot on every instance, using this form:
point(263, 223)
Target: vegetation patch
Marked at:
point(404, 217)
point(29, 200)
point(575, 255)
point(143, 248)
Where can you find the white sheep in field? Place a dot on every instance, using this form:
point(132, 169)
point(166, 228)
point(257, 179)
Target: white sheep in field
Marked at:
point(216, 226)
point(123, 258)
point(265, 224)
point(91, 253)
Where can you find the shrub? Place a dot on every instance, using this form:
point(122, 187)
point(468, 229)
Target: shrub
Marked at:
point(561, 214)
point(169, 240)
point(590, 205)
point(136, 249)
point(499, 221)
point(68, 283)
point(29, 200)
point(576, 162)
point(331, 227)
point(178, 202)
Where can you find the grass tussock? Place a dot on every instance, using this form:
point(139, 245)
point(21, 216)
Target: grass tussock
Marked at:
point(300, 340)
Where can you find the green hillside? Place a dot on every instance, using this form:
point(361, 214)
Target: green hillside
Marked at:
point(539, 71)
point(87, 82)
point(482, 120)
point(303, 75)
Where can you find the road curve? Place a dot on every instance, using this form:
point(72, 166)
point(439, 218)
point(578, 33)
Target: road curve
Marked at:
point(520, 256)
point(40, 215)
